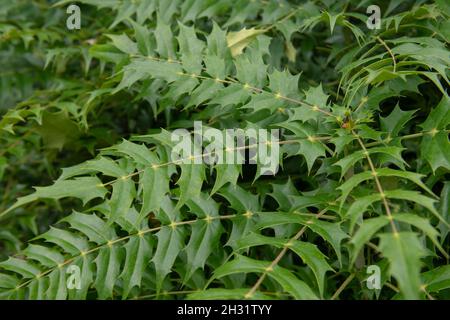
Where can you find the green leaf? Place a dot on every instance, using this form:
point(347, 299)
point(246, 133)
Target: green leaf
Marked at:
point(396, 121)
point(365, 232)
point(205, 91)
point(150, 68)
point(444, 210)
point(437, 279)
point(225, 173)
point(238, 41)
point(108, 268)
point(262, 101)
point(104, 165)
point(234, 94)
point(190, 182)
point(123, 43)
point(242, 202)
point(142, 35)
point(57, 130)
point(7, 281)
point(423, 224)
point(435, 146)
point(191, 48)
point(93, 227)
point(356, 179)
point(217, 45)
point(45, 256)
point(309, 147)
point(360, 206)
point(404, 252)
point(255, 239)
point(331, 232)
point(291, 284)
point(57, 287)
point(122, 197)
point(165, 44)
point(170, 243)
point(155, 184)
point(316, 97)
point(138, 252)
point(22, 267)
point(283, 194)
point(83, 188)
point(69, 242)
point(283, 83)
point(314, 259)
point(349, 161)
point(416, 197)
point(205, 234)
point(154, 179)
point(225, 294)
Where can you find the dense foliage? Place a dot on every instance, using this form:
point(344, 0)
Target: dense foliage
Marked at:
point(86, 117)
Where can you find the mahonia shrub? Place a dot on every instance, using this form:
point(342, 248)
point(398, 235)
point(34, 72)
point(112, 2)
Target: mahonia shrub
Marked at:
point(87, 114)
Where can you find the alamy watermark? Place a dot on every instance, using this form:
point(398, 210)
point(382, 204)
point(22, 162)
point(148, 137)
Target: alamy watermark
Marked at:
point(74, 280)
point(229, 146)
point(374, 20)
point(374, 280)
point(73, 21)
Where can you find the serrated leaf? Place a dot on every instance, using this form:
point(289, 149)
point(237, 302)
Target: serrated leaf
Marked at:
point(396, 120)
point(191, 48)
point(8, 281)
point(57, 130)
point(349, 161)
point(356, 179)
point(404, 252)
point(225, 294)
point(190, 182)
point(205, 234)
point(287, 280)
point(416, 197)
point(225, 173)
point(315, 96)
point(283, 194)
point(283, 83)
point(138, 251)
point(331, 232)
point(83, 188)
point(437, 279)
point(91, 226)
point(123, 43)
point(314, 259)
point(170, 243)
point(123, 194)
point(108, 268)
point(165, 44)
point(22, 267)
point(237, 41)
point(365, 232)
point(435, 146)
point(359, 206)
point(69, 242)
point(45, 256)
